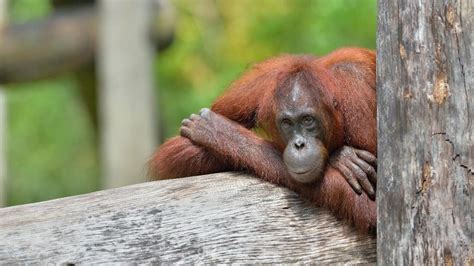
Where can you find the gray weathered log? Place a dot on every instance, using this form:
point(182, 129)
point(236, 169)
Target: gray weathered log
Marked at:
point(126, 93)
point(66, 41)
point(425, 111)
point(218, 218)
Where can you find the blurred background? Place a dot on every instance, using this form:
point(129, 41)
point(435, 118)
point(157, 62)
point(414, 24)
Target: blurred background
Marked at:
point(52, 130)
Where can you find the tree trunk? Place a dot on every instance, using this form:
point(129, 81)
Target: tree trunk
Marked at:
point(425, 112)
point(128, 124)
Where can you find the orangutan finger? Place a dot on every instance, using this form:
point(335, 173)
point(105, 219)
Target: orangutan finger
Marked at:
point(194, 117)
point(368, 169)
point(362, 179)
point(349, 176)
point(186, 122)
point(367, 156)
point(185, 132)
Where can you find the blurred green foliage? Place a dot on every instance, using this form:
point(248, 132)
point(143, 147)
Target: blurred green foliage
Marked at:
point(217, 40)
point(51, 143)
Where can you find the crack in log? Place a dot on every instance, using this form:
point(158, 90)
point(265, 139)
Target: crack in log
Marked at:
point(457, 156)
point(457, 28)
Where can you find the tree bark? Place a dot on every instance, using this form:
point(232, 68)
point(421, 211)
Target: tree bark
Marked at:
point(425, 115)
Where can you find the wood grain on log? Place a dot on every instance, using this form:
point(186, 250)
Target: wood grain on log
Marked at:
point(219, 218)
point(425, 82)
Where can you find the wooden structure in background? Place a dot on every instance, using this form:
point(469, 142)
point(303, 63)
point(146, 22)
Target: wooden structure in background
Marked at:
point(3, 121)
point(425, 83)
point(73, 38)
point(127, 102)
point(68, 41)
point(220, 218)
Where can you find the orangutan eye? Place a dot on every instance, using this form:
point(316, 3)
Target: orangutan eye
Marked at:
point(286, 123)
point(308, 120)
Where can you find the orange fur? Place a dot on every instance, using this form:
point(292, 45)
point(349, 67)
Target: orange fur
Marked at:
point(345, 77)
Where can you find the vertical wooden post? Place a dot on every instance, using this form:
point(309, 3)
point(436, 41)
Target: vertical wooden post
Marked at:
point(3, 121)
point(425, 93)
point(128, 124)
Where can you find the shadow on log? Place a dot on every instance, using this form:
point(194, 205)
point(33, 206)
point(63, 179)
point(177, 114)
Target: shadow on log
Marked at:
point(219, 218)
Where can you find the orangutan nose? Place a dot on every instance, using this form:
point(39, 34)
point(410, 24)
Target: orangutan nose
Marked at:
point(299, 144)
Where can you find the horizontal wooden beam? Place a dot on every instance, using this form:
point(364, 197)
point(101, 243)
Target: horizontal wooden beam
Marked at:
point(65, 41)
point(219, 218)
